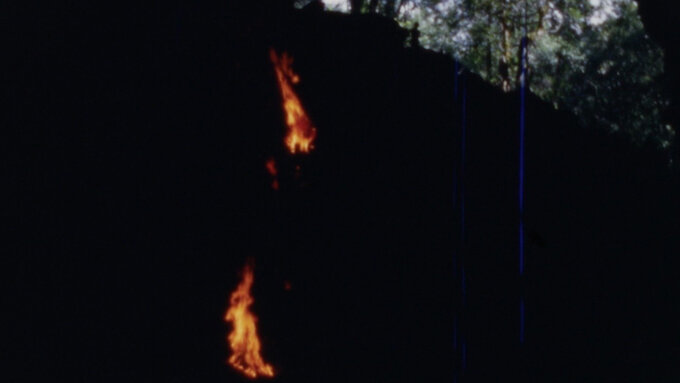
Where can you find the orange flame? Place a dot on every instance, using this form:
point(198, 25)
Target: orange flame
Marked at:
point(243, 340)
point(301, 131)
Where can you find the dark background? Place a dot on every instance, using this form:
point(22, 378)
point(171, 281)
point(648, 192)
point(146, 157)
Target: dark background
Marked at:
point(137, 190)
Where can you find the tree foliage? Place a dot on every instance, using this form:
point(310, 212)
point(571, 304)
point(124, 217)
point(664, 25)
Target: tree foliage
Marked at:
point(590, 57)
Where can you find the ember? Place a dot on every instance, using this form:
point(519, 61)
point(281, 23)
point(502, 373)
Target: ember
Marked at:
point(271, 169)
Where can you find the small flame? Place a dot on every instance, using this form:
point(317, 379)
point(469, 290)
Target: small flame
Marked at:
point(271, 169)
point(243, 340)
point(301, 131)
point(271, 166)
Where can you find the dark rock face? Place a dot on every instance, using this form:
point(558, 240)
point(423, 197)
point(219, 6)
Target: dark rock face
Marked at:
point(144, 189)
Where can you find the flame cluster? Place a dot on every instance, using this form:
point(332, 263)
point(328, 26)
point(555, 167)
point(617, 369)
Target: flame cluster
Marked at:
point(301, 132)
point(243, 340)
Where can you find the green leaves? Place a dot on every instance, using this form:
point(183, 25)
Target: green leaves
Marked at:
point(591, 57)
point(620, 84)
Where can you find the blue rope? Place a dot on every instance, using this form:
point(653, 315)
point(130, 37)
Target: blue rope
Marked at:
point(522, 127)
point(459, 343)
point(522, 123)
point(455, 204)
point(463, 139)
point(521, 320)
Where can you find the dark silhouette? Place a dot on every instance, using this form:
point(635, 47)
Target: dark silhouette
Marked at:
point(314, 6)
point(373, 6)
point(504, 74)
point(356, 6)
point(414, 36)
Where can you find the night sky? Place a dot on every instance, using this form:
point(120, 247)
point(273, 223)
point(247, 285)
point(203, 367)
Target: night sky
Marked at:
point(138, 190)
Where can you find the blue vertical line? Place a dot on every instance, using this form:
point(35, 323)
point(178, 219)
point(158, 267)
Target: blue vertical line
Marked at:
point(455, 170)
point(459, 344)
point(522, 127)
point(522, 122)
point(463, 140)
point(455, 333)
point(455, 80)
point(521, 320)
point(455, 204)
point(463, 286)
point(463, 357)
point(521, 185)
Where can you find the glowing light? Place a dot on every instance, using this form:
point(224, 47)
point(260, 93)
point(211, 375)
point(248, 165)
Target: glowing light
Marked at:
point(271, 169)
point(337, 5)
point(243, 340)
point(301, 132)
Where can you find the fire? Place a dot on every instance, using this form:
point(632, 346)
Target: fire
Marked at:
point(243, 340)
point(271, 166)
point(271, 169)
point(301, 131)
